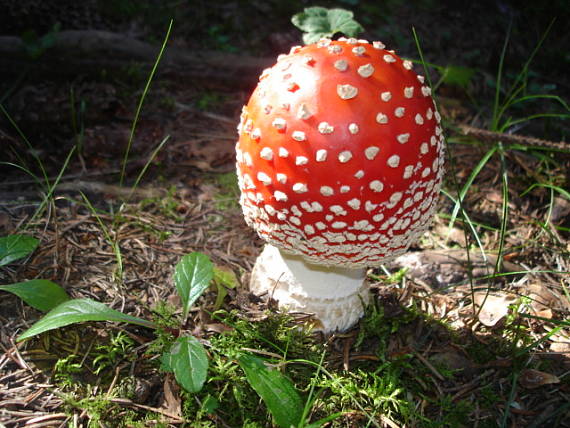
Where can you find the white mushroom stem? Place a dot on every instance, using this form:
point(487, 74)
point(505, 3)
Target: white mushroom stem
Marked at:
point(336, 296)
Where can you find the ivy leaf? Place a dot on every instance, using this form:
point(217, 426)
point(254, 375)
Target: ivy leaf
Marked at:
point(459, 76)
point(318, 22)
point(13, 247)
point(192, 277)
point(188, 360)
point(276, 391)
point(79, 310)
point(40, 294)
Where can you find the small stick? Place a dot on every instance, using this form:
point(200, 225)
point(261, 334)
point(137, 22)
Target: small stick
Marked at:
point(485, 135)
point(429, 366)
point(127, 402)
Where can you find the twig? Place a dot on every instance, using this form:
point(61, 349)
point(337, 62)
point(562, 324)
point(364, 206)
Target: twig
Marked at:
point(209, 115)
point(485, 135)
point(127, 402)
point(429, 366)
point(119, 191)
point(265, 353)
point(44, 418)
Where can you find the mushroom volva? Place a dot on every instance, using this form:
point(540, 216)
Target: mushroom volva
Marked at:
point(339, 162)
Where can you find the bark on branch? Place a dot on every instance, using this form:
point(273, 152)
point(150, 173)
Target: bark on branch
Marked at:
point(91, 51)
point(485, 135)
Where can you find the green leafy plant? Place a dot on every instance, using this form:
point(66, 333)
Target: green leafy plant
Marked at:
point(120, 344)
point(187, 353)
point(318, 22)
point(223, 279)
point(186, 357)
point(41, 294)
point(192, 277)
point(277, 392)
point(14, 247)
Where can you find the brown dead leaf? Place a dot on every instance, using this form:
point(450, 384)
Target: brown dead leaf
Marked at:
point(492, 307)
point(6, 225)
point(543, 299)
point(209, 155)
point(531, 379)
point(207, 192)
point(493, 195)
point(560, 347)
point(561, 343)
point(451, 234)
point(218, 328)
point(560, 210)
point(440, 268)
point(172, 402)
point(452, 359)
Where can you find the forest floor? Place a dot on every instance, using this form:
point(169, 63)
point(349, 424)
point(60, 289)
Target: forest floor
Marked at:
point(470, 329)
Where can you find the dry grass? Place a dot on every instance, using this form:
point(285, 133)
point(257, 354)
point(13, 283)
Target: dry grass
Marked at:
point(491, 350)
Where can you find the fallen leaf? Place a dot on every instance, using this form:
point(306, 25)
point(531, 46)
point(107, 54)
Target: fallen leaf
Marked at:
point(218, 328)
point(560, 343)
point(543, 299)
point(492, 307)
point(560, 347)
point(207, 192)
point(531, 378)
point(560, 210)
point(453, 360)
point(172, 402)
point(493, 195)
point(441, 268)
point(451, 234)
point(211, 154)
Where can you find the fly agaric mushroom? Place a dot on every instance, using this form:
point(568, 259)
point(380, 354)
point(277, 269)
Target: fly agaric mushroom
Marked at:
point(340, 162)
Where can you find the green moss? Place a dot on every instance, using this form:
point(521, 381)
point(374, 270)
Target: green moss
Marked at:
point(228, 191)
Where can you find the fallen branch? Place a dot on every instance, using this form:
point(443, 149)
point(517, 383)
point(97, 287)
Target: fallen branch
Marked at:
point(110, 189)
point(484, 135)
point(91, 52)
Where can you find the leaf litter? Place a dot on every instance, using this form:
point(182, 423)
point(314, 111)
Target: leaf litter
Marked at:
point(465, 353)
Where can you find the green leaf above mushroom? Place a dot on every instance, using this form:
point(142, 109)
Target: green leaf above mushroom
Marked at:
point(318, 22)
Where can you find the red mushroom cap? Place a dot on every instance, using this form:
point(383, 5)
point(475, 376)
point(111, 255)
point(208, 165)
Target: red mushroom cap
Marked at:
point(340, 154)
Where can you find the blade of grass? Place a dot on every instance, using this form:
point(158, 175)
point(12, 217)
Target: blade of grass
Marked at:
point(504, 210)
point(536, 97)
point(471, 225)
point(420, 53)
point(515, 87)
point(460, 193)
point(310, 397)
point(140, 104)
point(469, 182)
point(510, 123)
point(147, 164)
point(30, 147)
point(51, 187)
point(26, 170)
point(496, 103)
point(112, 242)
point(537, 342)
point(510, 399)
point(78, 131)
point(47, 186)
point(348, 393)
